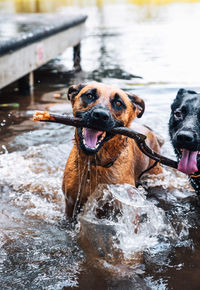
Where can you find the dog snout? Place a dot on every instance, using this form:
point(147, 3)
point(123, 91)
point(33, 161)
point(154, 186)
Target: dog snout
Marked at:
point(100, 115)
point(186, 138)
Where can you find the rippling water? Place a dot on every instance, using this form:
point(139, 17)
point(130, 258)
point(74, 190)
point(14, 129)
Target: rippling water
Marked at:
point(151, 51)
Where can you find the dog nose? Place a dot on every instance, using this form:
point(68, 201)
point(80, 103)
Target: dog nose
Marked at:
point(185, 137)
point(100, 114)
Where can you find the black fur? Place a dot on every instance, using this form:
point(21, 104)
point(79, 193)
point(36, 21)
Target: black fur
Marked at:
point(184, 127)
point(74, 90)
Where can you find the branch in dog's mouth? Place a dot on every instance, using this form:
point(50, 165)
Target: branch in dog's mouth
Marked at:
point(93, 135)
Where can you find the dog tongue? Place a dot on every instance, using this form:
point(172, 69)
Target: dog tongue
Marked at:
point(91, 136)
point(188, 162)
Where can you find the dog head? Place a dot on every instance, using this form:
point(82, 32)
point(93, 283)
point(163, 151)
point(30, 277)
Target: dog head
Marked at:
point(184, 130)
point(103, 106)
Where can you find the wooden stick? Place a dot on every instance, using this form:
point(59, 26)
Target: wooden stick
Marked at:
point(138, 137)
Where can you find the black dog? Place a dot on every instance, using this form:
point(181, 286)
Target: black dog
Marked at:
point(184, 130)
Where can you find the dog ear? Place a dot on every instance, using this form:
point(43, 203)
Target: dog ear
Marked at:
point(138, 104)
point(179, 98)
point(74, 90)
point(191, 92)
point(181, 92)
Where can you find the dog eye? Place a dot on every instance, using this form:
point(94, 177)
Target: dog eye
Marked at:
point(90, 97)
point(177, 114)
point(184, 110)
point(118, 103)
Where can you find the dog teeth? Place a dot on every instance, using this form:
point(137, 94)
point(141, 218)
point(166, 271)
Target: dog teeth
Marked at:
point(102, 136)
point(98, 143)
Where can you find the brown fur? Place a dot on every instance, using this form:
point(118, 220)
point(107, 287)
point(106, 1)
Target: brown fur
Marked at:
point(81, 176)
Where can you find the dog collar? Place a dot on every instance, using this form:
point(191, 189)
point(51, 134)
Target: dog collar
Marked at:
point(97, 161)
point(108, 164)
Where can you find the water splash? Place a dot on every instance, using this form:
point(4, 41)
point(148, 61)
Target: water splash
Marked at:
point(5, 151)
point(119, 224)
point(35, 184)
point(170, 179)
point(35, 248)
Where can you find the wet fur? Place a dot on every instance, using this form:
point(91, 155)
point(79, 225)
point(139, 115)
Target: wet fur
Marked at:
point(187, 102)
point(81, 176)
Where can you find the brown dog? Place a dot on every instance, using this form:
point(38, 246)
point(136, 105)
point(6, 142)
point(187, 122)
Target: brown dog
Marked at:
point(98, 157)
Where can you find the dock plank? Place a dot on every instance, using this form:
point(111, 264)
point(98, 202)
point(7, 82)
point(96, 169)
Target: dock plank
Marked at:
point(28, 41)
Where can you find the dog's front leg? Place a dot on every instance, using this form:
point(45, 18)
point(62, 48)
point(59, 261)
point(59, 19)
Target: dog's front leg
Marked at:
point(70, 184)
point(70, 190)
point(74, 196)
point(74, 184)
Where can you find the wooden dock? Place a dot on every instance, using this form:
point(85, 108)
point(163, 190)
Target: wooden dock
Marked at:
point(28, 41)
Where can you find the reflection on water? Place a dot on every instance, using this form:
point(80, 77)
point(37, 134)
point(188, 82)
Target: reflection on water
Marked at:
point(151, 51)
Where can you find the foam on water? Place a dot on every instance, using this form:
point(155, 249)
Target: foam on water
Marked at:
point(35, 248)
point(34, 177)
point(170, 179)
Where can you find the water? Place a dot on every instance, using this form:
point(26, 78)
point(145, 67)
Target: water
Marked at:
point(146, 49)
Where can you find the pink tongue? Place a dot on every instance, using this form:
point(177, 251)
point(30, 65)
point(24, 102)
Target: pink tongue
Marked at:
point(91, 136)
point(188, 162)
